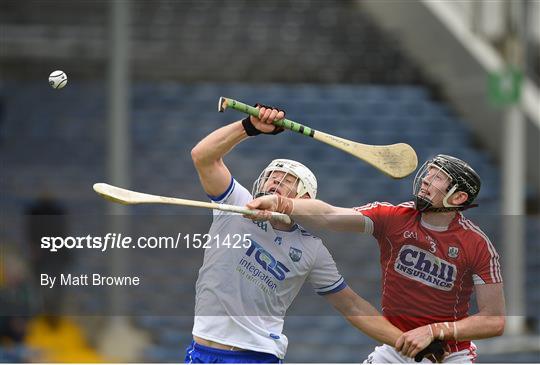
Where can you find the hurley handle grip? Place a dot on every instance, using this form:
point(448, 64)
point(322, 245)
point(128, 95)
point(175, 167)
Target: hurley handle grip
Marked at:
point(225, 103)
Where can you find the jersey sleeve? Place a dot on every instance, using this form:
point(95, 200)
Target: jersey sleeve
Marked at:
point(324, 276)
point(235, 194)
point(485, 266)
point(377, 215)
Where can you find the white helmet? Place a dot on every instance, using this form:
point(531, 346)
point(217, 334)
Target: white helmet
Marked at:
point(307, 183)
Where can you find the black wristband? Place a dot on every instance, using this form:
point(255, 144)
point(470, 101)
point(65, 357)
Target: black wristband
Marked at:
point(252, 131)
point(249, 127)
point(278, 130)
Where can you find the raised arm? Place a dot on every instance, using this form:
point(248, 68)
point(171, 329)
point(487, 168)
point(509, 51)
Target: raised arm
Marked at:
point(208, 154)
point(313, 213)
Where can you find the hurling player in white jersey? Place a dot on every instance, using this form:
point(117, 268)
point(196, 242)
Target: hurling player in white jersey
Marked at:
point(243, 292)
point(432, 259)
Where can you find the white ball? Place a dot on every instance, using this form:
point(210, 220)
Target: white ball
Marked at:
point(58, 79)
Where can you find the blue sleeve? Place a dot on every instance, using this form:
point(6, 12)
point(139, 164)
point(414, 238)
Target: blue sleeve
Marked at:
point(333, 288)
point(225, 194)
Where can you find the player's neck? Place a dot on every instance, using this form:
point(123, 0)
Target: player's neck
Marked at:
point(438, 219)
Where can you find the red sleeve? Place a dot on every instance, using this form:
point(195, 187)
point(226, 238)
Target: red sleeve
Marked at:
point(378, 213)
point(486, 266)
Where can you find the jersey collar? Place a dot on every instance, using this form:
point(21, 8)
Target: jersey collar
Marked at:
point(432, 227)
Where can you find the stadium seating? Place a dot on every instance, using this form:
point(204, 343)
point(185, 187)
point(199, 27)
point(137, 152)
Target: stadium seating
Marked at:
point(311, 41)
point(332, 69)
point(60, 147)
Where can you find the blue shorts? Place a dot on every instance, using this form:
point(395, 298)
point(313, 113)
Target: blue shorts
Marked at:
point(199, 354)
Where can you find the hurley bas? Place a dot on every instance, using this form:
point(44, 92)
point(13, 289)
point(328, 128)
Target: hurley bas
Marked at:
point(88, 280)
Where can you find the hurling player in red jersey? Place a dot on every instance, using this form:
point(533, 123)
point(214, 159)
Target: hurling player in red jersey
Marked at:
point(432, 259)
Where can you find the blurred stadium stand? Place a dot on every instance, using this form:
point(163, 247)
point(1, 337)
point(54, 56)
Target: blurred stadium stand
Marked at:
point(182, 40)
point(70, 143)
point(326, 63)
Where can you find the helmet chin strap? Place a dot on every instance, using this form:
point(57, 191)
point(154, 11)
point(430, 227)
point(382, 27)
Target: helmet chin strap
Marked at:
point(258, 195)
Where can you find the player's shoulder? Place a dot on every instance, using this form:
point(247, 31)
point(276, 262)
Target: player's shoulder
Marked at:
point(468, 227)
point(240, 189)
point(234, 190)
point(471, 230)
point(407, 206)
point(386, 206)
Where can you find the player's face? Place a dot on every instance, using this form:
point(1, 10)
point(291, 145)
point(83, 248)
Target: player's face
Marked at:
point(434, 186)
point(281, 183)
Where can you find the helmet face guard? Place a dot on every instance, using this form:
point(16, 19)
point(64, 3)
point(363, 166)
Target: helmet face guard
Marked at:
point(305, 181)
point(460, 177)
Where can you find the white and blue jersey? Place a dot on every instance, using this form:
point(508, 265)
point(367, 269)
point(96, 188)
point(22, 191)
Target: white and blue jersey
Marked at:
point(243, 292)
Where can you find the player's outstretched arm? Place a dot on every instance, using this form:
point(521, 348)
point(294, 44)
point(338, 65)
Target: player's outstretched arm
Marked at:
point(364, 316)
point(208, 154)
point(312, 213)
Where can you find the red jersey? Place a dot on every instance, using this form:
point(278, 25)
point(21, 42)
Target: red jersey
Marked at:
point(428, 273)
